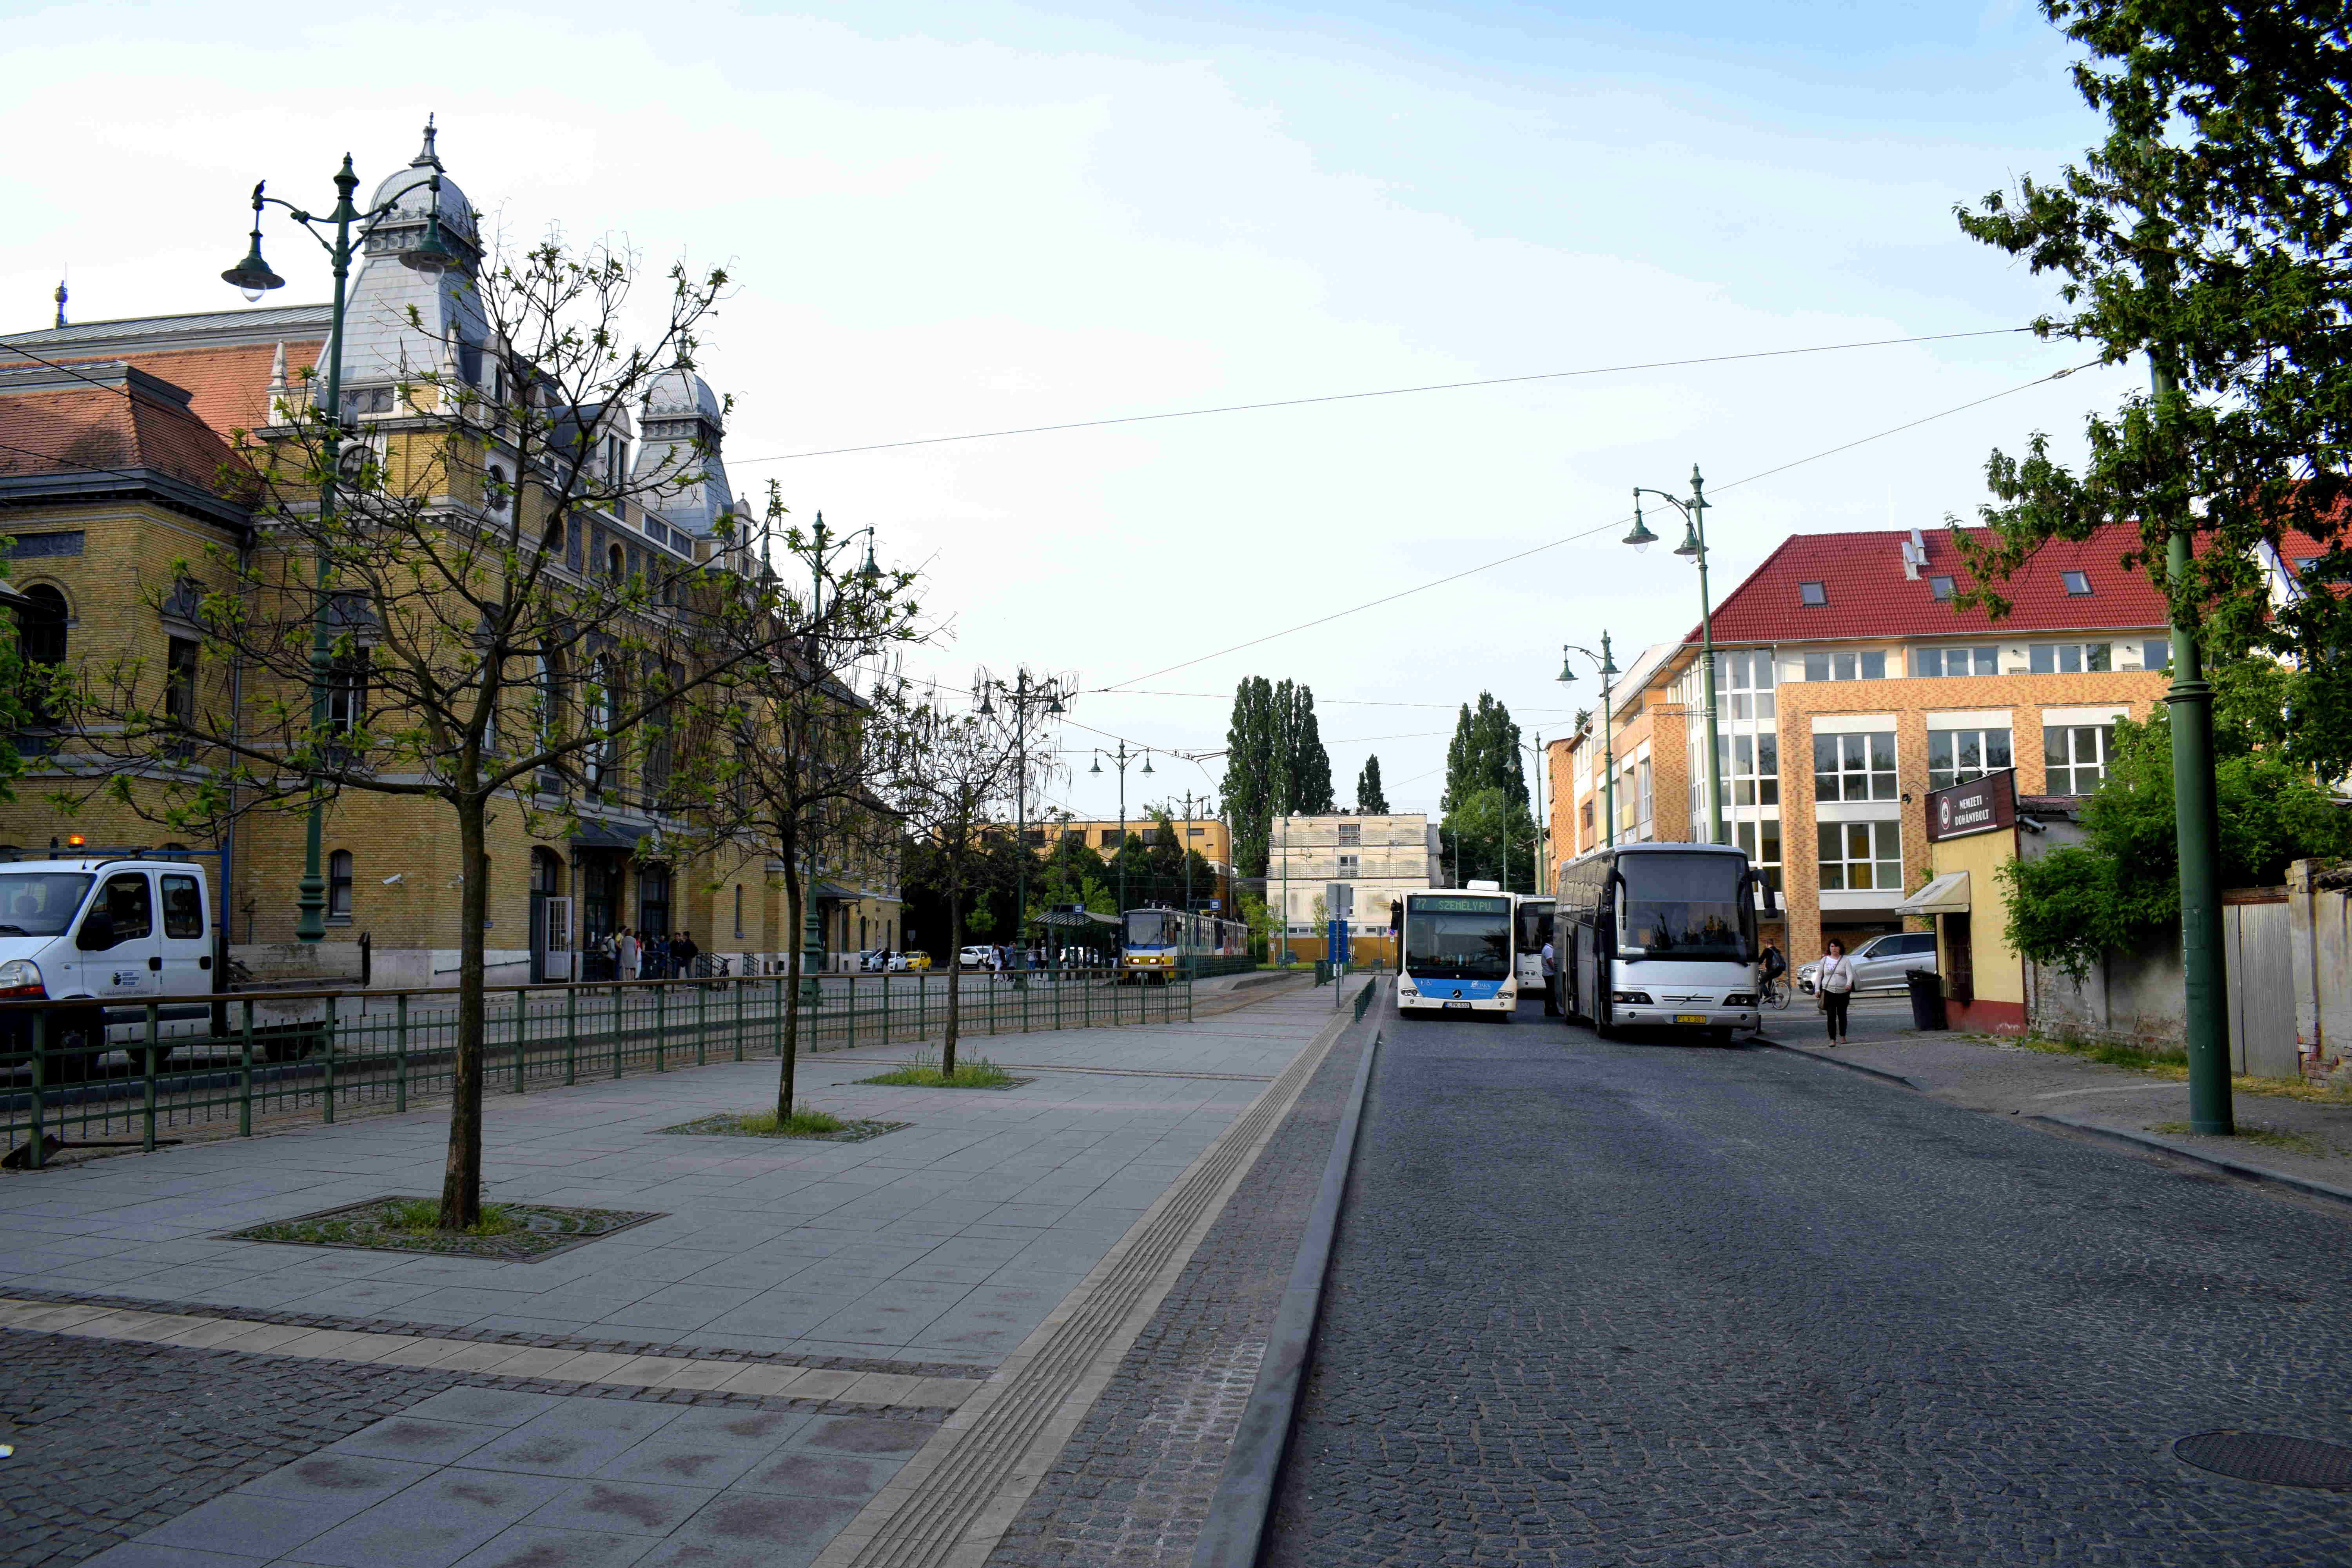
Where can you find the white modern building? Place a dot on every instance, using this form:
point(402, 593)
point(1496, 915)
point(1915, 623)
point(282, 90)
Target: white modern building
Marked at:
point(1379, 857)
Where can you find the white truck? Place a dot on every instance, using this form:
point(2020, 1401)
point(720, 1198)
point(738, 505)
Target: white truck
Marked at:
point(110, 936)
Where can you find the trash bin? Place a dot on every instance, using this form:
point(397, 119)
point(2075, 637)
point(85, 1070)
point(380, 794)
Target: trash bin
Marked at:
point(1927, 999)
point(1322, 972)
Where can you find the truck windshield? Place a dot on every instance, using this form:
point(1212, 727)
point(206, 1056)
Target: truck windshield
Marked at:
point(1457, 939)
point(1685, 906)
point(40, 903)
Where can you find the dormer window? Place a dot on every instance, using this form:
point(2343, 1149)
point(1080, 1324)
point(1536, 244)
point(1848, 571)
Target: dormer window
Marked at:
point(2078, 584)
point(1940, 586)
point(1814, 595)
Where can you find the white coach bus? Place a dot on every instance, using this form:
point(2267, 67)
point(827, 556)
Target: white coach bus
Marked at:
point(1658, 936)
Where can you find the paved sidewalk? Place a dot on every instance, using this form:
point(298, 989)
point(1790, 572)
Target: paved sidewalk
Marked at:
point(2310, 1141)
point(929, 1252)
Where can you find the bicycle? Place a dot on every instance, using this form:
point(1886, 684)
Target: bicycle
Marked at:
point(1775, 993)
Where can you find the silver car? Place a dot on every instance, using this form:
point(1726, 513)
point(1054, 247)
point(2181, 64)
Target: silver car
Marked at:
point(1881, 964)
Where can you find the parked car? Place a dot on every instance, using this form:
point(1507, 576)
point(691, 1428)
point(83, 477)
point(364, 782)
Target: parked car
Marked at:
point(977, 956)
point(914, 959)
point(1881, 964)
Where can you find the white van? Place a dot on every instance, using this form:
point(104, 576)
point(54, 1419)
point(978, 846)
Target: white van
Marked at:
point(113, 933)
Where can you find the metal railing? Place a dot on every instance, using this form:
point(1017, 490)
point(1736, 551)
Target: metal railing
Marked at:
point(276, 1056)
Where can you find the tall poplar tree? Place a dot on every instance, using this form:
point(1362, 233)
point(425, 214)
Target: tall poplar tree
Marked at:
point(1250, 771)
point(1305, 765)
point(1372, 799)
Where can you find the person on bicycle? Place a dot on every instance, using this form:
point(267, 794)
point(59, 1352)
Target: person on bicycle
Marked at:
point(1774, 965)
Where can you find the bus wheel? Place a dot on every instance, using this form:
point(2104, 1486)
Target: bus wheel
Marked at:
point(1720, 1037)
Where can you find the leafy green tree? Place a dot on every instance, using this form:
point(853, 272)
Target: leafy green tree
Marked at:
point(1305, 765)
point(1372, 800)
point(1486, 754)
point(1276, 766)
point(1491, 839)
point(2208, 231)
point(2122, 883)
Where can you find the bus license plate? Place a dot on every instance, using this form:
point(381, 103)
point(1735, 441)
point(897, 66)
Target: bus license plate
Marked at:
point(1465, 1005)
point(1690, 1017)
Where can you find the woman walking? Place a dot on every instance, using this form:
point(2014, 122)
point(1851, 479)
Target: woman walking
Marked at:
point(1833, 981)
point(629, 952)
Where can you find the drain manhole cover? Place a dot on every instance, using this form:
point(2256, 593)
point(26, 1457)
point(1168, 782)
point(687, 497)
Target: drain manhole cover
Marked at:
point(2261, 1456)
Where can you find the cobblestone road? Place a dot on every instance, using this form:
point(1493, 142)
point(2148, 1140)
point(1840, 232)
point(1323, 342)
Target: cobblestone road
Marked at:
point(1600, 1304)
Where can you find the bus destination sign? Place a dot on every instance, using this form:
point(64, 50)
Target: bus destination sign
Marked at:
point(1477, 906)
point(1979, 806)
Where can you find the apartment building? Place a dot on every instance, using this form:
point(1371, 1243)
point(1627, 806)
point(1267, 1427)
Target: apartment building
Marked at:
point(1847, 686)
point(1380, 856)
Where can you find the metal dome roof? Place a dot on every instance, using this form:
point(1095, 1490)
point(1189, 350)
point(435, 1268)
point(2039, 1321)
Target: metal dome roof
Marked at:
point(681, 392)
point(408, 189)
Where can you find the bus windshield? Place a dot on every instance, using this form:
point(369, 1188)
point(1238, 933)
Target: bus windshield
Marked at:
point(1458, 939)
point(39, 903)
point(1151, 928)
point(1685, 906)
point(1534, 924)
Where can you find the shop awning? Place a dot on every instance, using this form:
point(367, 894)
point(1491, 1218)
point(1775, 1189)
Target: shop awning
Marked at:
point(1946, 895)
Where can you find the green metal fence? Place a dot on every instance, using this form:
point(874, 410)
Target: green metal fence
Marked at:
point(275, 1056)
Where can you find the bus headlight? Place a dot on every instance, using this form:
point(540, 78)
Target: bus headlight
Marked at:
point(1641, 997)
point(1408, 988)
point(21, 977)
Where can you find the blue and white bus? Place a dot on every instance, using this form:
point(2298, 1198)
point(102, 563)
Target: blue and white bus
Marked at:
point(1455, 953)
point(1157, 943)
point(1658, 936)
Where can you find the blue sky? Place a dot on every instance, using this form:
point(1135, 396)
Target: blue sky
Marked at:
point(964, 217)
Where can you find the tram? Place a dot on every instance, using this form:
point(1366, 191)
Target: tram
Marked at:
point(1659, 936)
point(1158, 944)
point(1455, 955)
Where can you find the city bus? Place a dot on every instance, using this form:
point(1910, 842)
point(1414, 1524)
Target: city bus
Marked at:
point(1157, 943)
point(1455, 955)
point(1658, 936)
point(1533, 929)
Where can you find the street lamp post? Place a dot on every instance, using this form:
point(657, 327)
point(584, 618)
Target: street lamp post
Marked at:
point(253, 277)
point(1694, 547)
point(1020, 695)
point(824, 545)
point(1607, 667)
point(1119, 759)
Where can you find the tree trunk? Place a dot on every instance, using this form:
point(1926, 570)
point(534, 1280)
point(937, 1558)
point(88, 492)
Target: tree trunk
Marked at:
point(795, 921)
point(955, 966)
point(461, 1178)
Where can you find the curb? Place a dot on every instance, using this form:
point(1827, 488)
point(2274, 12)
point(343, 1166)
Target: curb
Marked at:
point(1233, 1532)
point(2141, 1140)
point(1879, 1073)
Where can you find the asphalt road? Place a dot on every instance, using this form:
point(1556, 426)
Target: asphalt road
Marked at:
point(1645, 1303)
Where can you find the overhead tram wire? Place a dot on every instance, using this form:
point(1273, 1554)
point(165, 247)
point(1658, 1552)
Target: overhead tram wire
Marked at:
point(1381, 392)
point(1589, 532)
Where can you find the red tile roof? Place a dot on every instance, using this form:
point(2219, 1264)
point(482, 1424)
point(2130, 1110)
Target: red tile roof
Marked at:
point(1868, 595)
point(51, 424)
point(227, 386)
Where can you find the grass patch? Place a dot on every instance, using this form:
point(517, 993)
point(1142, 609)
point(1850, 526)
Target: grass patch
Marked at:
point(972, 1072)
point(521, 1232)
point(806, 1121)
point(2268, 1137)
point(2175, 1069)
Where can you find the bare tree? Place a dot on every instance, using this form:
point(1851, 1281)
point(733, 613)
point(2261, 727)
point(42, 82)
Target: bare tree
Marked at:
point(949, 781)
point(445, 606)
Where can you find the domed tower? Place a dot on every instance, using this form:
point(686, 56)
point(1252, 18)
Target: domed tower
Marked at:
point(677, 443)
point(385, 344)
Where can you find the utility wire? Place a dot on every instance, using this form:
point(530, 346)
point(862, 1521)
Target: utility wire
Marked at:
point(1383, 392)
point(1603, 527)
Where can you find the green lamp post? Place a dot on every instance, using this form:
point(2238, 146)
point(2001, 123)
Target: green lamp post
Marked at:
point(1119, 759)
point(1606, 667)
point(253, 277)
point(1021, 696)
point(1694, 548)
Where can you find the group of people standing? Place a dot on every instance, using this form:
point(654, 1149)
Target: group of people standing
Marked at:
point(637, 955)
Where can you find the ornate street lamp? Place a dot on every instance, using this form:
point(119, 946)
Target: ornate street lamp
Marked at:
point(1694, 548)
point(1020, 696)
point(252, 277)
point(1119, 759)
point(1607, 669)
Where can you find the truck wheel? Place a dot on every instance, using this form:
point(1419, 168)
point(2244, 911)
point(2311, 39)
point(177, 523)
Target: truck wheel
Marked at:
point(76, 1041)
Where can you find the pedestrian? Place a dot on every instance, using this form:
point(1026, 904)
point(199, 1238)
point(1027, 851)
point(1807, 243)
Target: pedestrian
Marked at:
point(682, 953)
point(629, 952)
point(1833, 988)
point(1551, 995)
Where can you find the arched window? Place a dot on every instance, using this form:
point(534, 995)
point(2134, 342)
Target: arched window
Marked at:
point(546, 871)
point(339, 886)
point(597, 713)
point(616, 564)
point(41, 637)
point(496, 496)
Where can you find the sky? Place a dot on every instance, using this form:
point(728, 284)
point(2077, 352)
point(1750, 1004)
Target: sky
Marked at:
point(952, 218)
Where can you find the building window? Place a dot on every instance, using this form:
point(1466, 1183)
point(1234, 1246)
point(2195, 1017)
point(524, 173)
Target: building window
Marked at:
point(653, 900)
point(339, 886)
point(2070, 658)
point(1861, 857)
point(1110, 838)
point(1956, 756)
point(2155, 653)
point(41, 639)
point(1350, 833)
point(495, 494)
point(1034, 837)
point(1932, 662)
point(1853, 767)
point(546, 872)
point(1642, 773)
point(1813, 595)
point(1351, 865)
point(2076, 756)
point(180, 693)
point(1761, 841)
point(1584, 814)
point(2078, 584)
point(1940, 586)
point(1744, 684)
point(347, 692)
point(1755, 771)
point(1845, 666)
point(616, 564)
point(738, 910)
